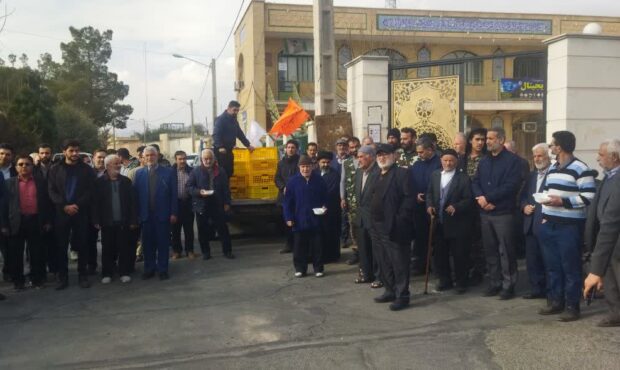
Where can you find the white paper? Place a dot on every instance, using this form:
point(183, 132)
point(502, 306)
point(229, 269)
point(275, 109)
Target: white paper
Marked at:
point(256, 133)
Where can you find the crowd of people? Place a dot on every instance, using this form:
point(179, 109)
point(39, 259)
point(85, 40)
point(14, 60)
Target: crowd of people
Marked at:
point(464, 213)
point(406, 207)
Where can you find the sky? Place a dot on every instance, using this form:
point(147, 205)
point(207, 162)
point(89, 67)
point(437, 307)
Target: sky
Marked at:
point(197, 29)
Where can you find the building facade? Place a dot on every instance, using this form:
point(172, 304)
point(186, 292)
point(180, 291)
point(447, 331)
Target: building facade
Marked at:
point(274, 57)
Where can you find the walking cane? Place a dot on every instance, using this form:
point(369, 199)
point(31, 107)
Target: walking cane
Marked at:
point(429, 252)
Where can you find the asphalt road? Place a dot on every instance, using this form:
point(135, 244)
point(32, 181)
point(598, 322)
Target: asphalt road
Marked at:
point(251, 313)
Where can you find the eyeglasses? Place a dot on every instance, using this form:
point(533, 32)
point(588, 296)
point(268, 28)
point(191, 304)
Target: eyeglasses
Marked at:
point(24, 164)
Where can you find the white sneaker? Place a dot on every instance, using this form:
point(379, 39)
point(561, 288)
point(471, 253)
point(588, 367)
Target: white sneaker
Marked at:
point(298, 274)
point(319, 274)
point(106, 280)
point(125, 279)
point(73, 256)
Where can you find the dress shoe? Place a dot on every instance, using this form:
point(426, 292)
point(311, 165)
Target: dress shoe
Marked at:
point(609, 321)
point(63, 283)
point(163, 276)
point(506, 294)
point(534, 296)
point(444, 285)
point(353, 260)
point(399, 305)
point(148, 275)
point(460, 288)
point(286, 249)
point(229, 255)
point(192, 255)
point(570, 314)
point(18, 287)
point(553, 308)
point(492, 291)
point(385, 298)
point(206, 256)
point(83, 282)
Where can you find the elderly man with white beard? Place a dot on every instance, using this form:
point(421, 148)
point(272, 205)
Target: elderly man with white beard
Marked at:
point(391, 209)
point(114, 213)
point(532, 219)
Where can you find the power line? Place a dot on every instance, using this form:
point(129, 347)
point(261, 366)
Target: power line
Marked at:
point(231, 30)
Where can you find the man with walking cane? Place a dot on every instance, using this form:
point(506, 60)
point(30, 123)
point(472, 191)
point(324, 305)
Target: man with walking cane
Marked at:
point(449, 202)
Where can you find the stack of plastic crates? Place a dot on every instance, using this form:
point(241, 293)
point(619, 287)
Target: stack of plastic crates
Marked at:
point(239, 181)
point(263, 164)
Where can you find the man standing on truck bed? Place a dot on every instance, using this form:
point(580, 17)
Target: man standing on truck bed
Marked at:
point(226, 131)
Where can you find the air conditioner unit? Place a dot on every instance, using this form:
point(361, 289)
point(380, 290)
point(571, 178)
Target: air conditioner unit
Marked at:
point(239, 85)
point(529, 126)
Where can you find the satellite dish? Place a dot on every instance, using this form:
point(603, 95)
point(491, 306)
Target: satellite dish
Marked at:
point(593, 29)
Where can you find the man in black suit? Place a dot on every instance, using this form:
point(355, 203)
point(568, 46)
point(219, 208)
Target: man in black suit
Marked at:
point(391, 209)
point(7, 171)
point(331, 222)
point(449, 200)
point(603, 231)
point(532, 219)
point(365, 178)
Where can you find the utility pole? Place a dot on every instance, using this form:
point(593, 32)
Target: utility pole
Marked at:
point(324, 62)
point(144, 136)
point(191, 129)
point(214, 89)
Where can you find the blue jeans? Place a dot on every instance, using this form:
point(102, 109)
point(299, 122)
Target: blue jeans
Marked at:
point(535, 265)
point(561, 245)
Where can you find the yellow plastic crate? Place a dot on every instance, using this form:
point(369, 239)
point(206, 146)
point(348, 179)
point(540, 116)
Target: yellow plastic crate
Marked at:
point(239, 180)
point(241, 155)
point(241, 168)
point(264, 165)
point(262, 192)
point(261, 179)
point(239, 192)
point(260, 154)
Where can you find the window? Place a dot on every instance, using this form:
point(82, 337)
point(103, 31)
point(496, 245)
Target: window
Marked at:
point(498, 65)
point(528, 67)
point(396, 59)
point(344, 56)
point(424, 55)
point(497, 122)
point(240, 71)
point(294, 69)
point(472, 70)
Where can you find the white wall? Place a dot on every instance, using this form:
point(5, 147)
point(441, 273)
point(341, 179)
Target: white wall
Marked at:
point(583, 90)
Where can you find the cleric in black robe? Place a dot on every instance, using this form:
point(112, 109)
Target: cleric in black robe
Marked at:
point(330, 223)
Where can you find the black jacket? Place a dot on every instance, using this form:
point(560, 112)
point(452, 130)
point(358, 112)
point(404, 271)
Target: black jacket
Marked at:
point(287, 167)
point(199, 179)
point(102, 202)
point(398, 203)
point(603, 235)
point(57, 177)
point(531, 223)
point(362, 215)
point(499, 180)
point(459, 196)
point(226, 131)
point(13, 212)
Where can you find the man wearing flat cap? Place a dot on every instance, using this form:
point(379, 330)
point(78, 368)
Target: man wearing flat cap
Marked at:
point(450, 203)
point(330, 223)
point(305, 202)
point(391, 208)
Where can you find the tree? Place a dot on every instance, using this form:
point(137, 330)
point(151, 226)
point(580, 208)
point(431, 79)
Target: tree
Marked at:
point(74, 124)
point(83, 79)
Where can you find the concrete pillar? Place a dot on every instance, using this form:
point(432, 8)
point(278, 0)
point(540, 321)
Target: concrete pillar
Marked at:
point(367, 93)
point(324, 61)
point(583, 90)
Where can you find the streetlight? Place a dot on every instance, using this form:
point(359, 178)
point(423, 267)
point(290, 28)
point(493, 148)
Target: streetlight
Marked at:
point(213, 79)
point(191, 124)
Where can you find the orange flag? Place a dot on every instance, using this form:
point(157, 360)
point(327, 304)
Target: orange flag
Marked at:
point(291, 119)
